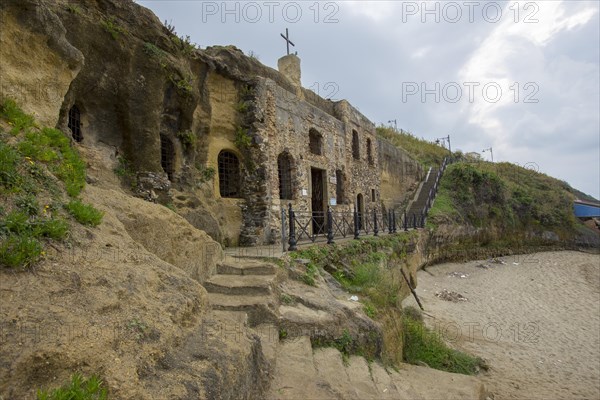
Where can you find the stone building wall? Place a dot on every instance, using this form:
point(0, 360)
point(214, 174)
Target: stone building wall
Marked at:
point(287, 123)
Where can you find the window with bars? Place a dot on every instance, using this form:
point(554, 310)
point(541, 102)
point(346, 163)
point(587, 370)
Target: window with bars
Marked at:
point(315, 142)
point(284, 168)
point(369, 152)
point(167, 154)
point(355, 145)
point(229, 174)
point(75, 123)
point(339, 186)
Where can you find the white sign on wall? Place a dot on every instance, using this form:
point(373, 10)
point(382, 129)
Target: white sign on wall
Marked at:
point(333, 201)
point(304, 192)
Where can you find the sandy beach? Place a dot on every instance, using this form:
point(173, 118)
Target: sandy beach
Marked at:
point(534, 318)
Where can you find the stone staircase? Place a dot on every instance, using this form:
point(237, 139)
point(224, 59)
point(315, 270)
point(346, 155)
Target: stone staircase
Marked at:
point(245, 297)
point(245, 287)
point(418, 205)
point(302, 372)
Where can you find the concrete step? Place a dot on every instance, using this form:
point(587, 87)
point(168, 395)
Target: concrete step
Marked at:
point(250, 285)
point(246, 269)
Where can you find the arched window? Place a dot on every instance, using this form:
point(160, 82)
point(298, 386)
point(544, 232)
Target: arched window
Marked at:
point(315, 142)
point(369, 152)
point(167, 154)
point(355, 146)
point(229, 174)
point(75, 123)
point(339, 186)
point(284, 168)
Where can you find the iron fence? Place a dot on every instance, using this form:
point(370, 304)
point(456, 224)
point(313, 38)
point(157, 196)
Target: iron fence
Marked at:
point(325, 226)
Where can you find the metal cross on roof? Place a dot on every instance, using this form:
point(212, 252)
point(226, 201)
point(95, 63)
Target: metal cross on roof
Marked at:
point(287, 39)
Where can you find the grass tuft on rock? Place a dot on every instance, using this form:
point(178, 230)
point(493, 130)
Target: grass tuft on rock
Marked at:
point(85, 214)
point(79, 388)
point(33, 163)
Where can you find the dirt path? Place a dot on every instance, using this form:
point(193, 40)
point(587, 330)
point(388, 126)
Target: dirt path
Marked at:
point(536, 319)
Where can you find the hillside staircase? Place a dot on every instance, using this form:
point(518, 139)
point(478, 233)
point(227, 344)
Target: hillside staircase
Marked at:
point(426, 195)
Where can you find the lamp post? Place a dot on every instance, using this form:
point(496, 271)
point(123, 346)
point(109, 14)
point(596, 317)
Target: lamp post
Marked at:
point(444, 139)
point(491, 152)
point(395, 124)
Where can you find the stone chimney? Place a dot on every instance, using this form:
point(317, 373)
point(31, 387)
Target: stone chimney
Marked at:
point(289, 66)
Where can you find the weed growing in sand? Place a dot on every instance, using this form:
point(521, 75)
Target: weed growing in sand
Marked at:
point(421, 345)
point(79, 388)
point(85, 214)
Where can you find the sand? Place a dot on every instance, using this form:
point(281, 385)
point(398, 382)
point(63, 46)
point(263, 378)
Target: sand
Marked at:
point(535, 319)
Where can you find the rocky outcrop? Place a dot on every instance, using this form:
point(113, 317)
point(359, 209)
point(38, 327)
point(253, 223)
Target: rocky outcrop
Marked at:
point(37, 62)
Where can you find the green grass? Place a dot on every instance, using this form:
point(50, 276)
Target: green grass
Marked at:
point(427, 153)
point(52, 147)
point(19, 250)
point(33, 163)
point(111, 26)
point(503, 196)
point(421, 345)
point(15, 117)
point(85, 214)
point(79, 388)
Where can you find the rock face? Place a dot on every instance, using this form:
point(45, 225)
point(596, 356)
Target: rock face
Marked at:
point(37, 62)
point(173, 112)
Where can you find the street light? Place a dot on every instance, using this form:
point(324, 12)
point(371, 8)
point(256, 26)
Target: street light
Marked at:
point(491, 152)
point(444, 139)
point(395, 124)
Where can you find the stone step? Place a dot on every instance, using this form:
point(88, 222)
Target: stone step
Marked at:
point(416, 382)
point(360, 376)
point(295, 373)
point(250, 285)
point(246, 269)
point(384, 384)
point(331, 369)
point(260, 309)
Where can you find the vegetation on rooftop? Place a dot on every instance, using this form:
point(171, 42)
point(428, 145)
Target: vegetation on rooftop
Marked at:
point(427, 153)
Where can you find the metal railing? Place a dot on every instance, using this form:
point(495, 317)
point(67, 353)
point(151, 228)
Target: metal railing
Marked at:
point(434, 189)
point(303, 226)
point(324, 226)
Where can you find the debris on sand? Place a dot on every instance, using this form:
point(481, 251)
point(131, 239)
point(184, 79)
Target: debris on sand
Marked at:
point(451, 296)
point(457, 274)
point(497, 261)
point(484, 266)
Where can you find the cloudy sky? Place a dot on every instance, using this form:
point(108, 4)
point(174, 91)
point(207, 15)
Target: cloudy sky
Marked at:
point(521, 77)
